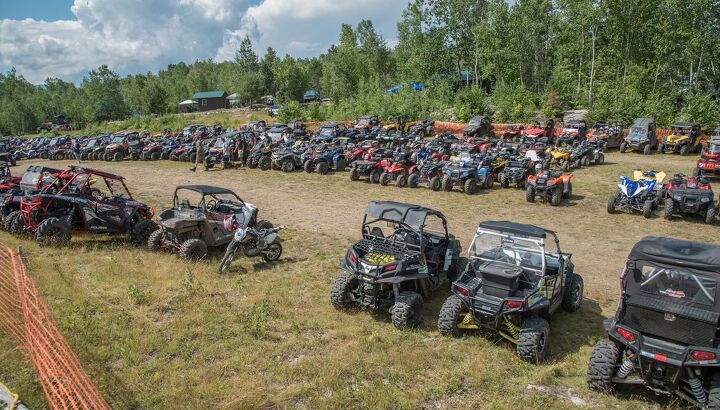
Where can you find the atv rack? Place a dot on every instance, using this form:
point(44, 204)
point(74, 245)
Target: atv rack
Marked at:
point(394, 248)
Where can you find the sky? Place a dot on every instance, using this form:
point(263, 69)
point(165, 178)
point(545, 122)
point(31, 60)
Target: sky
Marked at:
point(67, 38)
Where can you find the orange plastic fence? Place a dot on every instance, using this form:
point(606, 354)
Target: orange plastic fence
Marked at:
point(25, 316)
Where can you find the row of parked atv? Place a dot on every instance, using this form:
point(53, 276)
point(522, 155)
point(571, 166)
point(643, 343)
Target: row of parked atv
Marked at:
point(515, 277)
point(682, 195)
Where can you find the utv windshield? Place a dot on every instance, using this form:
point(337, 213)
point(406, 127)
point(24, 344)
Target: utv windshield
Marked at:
point(117, 140)
point(637, 132)
point(678, 285)
point(326, 132)
point(713, 149)
point(495, 246)
point(476, 122)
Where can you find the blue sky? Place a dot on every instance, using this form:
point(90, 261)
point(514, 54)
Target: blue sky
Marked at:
point(65, 38)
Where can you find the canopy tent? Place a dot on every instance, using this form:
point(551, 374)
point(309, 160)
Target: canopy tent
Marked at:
point(232, 96)
point(188, 102)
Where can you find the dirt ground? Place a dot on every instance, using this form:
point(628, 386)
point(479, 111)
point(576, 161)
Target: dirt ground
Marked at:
point(266, 336)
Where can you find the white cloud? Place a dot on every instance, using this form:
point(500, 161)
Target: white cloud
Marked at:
point(137, 36)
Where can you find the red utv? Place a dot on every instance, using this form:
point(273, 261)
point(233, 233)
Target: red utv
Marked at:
point(7, 181)
point(398, 170)
point(152, 151)
point(119, 146)
point(72, 204)
point(33, 180)
point(709, 162)
point(59, 148)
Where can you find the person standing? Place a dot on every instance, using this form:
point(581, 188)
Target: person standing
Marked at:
point(199, 152)
point(75, 147)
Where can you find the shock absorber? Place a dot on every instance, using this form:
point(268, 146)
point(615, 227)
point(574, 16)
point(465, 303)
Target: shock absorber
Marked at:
point(626, 367)
point(696, 387)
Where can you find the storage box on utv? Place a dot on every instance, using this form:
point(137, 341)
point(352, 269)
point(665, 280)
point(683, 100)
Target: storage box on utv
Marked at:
point(664, 334)
point(511, 286)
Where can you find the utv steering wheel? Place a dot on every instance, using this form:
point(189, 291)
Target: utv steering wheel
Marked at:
point(210, 205)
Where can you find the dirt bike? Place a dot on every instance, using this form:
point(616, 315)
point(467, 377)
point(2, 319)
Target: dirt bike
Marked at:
point(258, 241)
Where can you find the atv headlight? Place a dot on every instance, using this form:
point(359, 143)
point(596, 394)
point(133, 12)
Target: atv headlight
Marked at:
point(677, 197)
point(704, 199)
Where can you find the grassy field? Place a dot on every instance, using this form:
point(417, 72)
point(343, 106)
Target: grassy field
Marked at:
point(156, 332)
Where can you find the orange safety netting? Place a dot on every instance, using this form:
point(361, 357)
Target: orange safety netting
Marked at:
point(25, 316)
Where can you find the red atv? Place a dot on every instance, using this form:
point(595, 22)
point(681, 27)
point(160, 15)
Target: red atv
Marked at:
point(355, 152)
point(152, 151)
point(371, 165)
point(690, 195)
point(398, 170)
point(70, 204)
point(430, 172)
point(538, 128)
point(709, 162)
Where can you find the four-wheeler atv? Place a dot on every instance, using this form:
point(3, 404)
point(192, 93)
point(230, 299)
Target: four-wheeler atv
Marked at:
point(398, 170)
point(642, 193)
point(511, 286)
point(260, 156)
point(399, 270)
point(561, 158)
point(371, 166)
point(685, 137)
point(642, 137)
point(709, 162)
point(664, 334)
point(516, 172)
point(610, 132)
point(152, 151)
point(423, 129)
point(72, 204)
point(135, 148)
point(322, 158)
point(430, 173)
point(467, 173)
point(478, 127)
point(286, 159)
point(551, 186)
point(196, 221)
point(690, 195)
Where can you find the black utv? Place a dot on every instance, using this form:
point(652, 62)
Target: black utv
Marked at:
point(478, 127)
point(664, 334)
point(511, 286)
point(397, 271)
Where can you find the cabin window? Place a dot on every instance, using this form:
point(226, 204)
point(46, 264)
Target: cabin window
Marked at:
point(203, 102)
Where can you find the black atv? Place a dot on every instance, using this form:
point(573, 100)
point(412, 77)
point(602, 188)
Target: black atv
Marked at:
point(511, 286)
point(664, 334)
point(286, 159)
point(398, 271)
point(260, 156)
point(516, 172)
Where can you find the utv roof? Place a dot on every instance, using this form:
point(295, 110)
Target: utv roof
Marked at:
point(672, 252)
point(514, 228)
point(96, 172)
point(205, 189)
point(683, 125)
point(643, 122)
point(409, 214)
point(40, 169)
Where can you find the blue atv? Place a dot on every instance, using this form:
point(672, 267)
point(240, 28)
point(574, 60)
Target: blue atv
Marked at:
point(322, 159)
point(466, 172)
point(640, 193)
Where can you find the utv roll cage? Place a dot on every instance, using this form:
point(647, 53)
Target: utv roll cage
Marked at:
point(204, 191)
point(406, 216)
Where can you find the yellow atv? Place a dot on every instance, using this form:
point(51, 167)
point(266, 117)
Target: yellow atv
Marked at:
point(685, 137)
point(558, 157)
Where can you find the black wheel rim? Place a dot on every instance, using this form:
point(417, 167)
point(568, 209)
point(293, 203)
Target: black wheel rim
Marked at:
point(273, 252)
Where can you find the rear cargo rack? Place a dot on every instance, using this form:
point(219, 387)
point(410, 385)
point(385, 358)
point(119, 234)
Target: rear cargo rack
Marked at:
point(381, 245)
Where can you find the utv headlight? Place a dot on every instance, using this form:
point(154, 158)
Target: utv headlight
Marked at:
point(677, 197)
point(704, 199)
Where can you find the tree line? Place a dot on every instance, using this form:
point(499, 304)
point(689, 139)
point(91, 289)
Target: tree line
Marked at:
point(619, 58)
